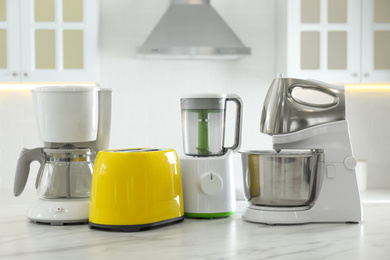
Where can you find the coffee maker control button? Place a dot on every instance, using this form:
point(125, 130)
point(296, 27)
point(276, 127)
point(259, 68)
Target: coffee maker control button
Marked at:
point(57, 209)
point(211, 183)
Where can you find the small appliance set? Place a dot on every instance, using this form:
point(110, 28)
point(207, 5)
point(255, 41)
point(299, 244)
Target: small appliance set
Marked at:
point(135, 189)
point(74, 124)
point(207, 170)
point(310, 177)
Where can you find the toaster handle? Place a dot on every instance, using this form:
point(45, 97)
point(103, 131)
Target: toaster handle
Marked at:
point(27, 156)
point(238, 126)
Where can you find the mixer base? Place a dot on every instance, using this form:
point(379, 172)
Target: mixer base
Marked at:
point(259, 215)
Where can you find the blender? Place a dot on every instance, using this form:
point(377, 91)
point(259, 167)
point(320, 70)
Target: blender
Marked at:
point(310, 176)
point(74, 124)
point(207, 169)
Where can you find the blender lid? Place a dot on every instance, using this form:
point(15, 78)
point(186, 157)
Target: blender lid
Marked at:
point(66, 88)
point(216, 104)
point(205, 95)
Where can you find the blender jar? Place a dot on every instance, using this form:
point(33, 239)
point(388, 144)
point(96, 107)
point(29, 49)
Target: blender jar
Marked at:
point(67, 174)
point(203, 124)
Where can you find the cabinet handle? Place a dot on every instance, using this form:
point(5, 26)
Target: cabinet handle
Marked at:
point(15, 74)
point(25, 74)
point(354, 75)
point(366, 74)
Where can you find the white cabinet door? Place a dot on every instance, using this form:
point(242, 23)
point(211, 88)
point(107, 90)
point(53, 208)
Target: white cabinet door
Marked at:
point(9, 41)
point(376, 41)
point(323, 40)
point(56, 42)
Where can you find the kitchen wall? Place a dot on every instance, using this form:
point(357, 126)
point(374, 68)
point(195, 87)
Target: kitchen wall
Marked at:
point(147, 93)
point(146, 107)
point(368, 112)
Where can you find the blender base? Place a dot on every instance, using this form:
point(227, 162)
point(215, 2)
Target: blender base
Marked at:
point(208, 215)
point(208, 186)
point(60, 211)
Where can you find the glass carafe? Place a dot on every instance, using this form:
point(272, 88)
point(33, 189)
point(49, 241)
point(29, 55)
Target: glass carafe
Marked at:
point(203, 124)
point(67, 174)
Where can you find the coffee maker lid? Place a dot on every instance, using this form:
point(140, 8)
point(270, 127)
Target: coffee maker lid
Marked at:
point(66, 88)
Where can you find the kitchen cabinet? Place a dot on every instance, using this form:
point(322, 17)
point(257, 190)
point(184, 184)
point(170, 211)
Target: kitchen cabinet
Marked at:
point(335, 41)
point(48, 40)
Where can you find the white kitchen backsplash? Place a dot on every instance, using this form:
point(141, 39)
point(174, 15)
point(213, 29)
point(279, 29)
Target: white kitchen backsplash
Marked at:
point(368, 112)
point(146, 94)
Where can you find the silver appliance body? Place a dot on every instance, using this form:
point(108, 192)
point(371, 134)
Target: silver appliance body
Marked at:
point(285, 179)
point(285, 112)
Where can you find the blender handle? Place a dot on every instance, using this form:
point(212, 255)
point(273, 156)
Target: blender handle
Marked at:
point(27, 156)
point(238, 128)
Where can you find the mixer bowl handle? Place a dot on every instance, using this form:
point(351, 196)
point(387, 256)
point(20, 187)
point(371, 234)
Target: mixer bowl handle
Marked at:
point(27, 156)
point(238, 127)
point(245, 171)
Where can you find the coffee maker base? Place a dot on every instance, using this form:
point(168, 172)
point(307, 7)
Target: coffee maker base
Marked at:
point(60, 211)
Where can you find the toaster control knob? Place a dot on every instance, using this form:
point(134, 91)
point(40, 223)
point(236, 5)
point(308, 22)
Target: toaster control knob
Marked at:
point(211, 183)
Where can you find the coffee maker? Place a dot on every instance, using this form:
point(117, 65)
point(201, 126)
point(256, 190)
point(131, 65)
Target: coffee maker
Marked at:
point(207, 169)
point(310, 176)
point(74, 124)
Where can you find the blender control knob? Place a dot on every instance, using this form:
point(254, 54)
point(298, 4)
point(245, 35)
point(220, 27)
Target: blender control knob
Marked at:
point(350, 162)
point(211, 183)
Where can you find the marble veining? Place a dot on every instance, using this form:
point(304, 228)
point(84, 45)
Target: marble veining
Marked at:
point(225, 238)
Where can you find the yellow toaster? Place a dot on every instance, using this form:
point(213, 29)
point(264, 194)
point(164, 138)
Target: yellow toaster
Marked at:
point(134, 189)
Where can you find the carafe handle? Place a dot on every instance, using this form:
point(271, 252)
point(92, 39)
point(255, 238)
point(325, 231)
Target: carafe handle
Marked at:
point(238, 127)
point(27, 156)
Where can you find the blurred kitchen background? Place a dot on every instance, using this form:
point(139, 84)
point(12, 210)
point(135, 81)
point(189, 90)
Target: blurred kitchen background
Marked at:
point(343, 41)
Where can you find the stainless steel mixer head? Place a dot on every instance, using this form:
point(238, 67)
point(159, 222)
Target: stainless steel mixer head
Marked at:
point(285, 112)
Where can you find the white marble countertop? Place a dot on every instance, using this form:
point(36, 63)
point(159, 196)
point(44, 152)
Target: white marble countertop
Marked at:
point(225, 238)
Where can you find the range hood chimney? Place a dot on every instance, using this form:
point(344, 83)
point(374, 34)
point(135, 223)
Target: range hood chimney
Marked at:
point(192, 29)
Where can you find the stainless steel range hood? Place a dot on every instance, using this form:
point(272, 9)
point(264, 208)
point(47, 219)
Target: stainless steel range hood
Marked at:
point(192, 29)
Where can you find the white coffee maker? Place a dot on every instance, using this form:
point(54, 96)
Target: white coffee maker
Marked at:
point(74, 124)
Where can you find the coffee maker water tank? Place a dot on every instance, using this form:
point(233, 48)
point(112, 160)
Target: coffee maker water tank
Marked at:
point(67, 114)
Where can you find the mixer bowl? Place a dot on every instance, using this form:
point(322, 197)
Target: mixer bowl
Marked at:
point(285, 179)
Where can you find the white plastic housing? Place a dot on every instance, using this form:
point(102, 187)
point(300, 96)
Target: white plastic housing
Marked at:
point(208, 184)
point(66, 114)
point(59, 211)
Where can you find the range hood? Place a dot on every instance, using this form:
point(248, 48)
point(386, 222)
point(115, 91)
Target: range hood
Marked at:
point(192, 29)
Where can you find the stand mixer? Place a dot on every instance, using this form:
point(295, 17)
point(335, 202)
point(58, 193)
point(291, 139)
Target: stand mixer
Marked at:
point(207, 170)
point(310, 177)
point(74, 124)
